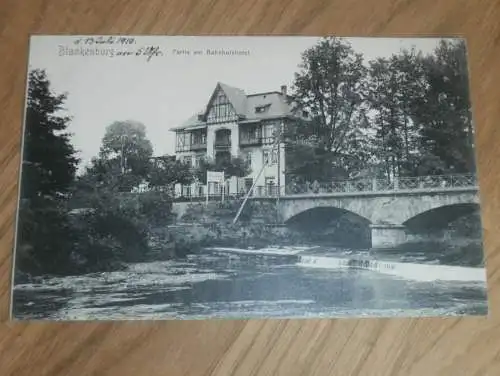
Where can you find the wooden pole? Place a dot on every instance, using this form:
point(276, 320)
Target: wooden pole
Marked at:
point(276, 142)
point(248, 194)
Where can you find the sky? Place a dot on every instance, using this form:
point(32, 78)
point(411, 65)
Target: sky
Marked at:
point(164, 91)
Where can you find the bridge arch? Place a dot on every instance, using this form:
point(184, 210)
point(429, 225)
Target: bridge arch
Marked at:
point(325, 212)
point(332, 225)
point(292, 208)
point(452, 206)
point(439, 217)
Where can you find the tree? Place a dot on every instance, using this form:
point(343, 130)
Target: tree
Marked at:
point(412, 82)
point(49, 159)
point(331, 87)
point(49, 164)
point(392, 84)
point(127, 150)
point(166, 170)
point(444, 114)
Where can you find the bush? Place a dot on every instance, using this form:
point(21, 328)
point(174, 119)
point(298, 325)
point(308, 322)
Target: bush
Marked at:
point(44, 238)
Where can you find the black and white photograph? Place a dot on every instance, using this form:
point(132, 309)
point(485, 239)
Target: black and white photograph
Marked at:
point(238, 177)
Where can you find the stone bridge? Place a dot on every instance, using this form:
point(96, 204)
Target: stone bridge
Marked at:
point(390, 213)
point(393, 209)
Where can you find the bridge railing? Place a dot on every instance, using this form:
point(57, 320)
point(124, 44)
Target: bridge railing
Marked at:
point(343, 186)
point(384, 185)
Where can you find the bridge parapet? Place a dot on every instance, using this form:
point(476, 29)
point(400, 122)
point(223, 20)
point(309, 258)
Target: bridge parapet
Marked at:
point(440, 182)
point(405, 185)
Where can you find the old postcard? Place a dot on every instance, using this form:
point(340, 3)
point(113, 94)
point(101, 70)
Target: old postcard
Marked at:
point(247, 177)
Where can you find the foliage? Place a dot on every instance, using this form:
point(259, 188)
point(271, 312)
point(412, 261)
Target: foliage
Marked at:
point(331, 86)
point(126, 149)
point(444, 113)
point(49, 159)
point(231, 166)
point(403, 115)
point(44, 237)
point(395, 83)
point(49, 164)
point(166, 170)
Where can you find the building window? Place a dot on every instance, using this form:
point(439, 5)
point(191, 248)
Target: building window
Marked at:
point(268, 133)
point(270, 157)
point(248, 184)
point(223, 138)
point(197, 161)
point(270, 186)
point(248, 158)
point(198, 138)
point(274, 157)
point(182, 142)
point(265, 155)
point(250, 134)
point(263, 108)
point(186, 191)
point(255, 132)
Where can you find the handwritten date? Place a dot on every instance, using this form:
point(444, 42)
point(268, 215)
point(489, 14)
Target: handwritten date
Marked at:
point(106, 40)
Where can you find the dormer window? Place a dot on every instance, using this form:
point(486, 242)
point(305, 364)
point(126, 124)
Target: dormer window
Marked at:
point(262, 108)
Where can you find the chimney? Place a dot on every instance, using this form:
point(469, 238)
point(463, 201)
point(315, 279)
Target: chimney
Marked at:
point(283, 90)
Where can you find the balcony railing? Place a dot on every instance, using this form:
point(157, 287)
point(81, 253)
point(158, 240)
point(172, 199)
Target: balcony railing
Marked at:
point(268, 140)
point(192, 147)
point(250, 141)
point(222, 144)
point(181, 148)
point(198, 146)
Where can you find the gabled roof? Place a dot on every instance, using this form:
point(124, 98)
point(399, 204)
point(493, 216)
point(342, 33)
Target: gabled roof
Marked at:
point(236, 96)
point(274, 104)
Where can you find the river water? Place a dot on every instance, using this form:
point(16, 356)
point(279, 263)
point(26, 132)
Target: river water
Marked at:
point(229, 283)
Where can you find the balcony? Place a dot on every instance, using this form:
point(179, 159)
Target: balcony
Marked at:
point(198, 146)
point(268, 140)
point(222, 144)
point(250, 141)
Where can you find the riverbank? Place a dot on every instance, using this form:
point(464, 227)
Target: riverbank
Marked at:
point(453, 252)
point(178, 241)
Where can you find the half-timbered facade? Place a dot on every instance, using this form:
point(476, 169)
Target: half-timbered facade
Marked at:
point(234, 123)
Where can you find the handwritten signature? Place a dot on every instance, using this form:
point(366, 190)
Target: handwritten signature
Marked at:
point(149, 52)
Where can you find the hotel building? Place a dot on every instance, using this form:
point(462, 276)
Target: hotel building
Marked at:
point(234, 123)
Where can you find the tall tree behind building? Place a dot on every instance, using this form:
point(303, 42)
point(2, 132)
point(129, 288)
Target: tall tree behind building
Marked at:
point(331, 87)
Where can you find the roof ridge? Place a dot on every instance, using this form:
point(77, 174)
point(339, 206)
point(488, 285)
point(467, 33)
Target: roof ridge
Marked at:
point(265, 92)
